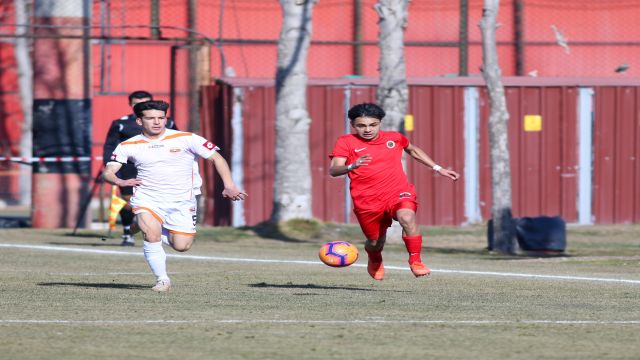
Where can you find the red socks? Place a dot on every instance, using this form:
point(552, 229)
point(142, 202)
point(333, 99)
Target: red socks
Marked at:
point(414, 246)
point(374, 256)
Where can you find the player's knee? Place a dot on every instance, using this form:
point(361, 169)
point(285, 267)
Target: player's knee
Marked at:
point(182, 246)
point(373, 245)
point(407, 219)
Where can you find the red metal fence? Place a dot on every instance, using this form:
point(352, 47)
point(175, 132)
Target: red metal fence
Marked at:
point(544, 163)
point(616, 175)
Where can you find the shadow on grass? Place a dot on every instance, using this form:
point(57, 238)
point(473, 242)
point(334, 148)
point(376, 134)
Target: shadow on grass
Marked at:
point(528, 255)
point(295, 231)
point(493, 255)
point(87, 235)
point(451, 251)
point(306, 286)
point(92, 244)
point(96, 285)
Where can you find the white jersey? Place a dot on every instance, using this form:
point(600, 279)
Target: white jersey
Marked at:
point(197, 179)
point(165, 165)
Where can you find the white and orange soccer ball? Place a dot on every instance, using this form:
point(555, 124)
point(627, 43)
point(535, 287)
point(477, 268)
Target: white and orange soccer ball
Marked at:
point(338, 253)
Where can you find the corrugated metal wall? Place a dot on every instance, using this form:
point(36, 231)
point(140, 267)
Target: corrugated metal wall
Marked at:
point(616, 179)
point(439, 123)
point(544, 164)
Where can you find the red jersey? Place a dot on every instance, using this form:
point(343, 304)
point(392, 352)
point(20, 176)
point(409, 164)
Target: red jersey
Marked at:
point(383, 179)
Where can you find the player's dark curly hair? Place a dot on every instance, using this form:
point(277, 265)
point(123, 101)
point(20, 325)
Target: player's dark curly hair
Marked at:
point(150, 105)
point(366, 110)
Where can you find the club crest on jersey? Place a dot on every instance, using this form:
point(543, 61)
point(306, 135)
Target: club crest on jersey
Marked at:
point(209, 145)
point(175, 150)
point(391, 144)
point(404, 195)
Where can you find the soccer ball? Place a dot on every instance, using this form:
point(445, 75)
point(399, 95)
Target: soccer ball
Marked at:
point(338, 253)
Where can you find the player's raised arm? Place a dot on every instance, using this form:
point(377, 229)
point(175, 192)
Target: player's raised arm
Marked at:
point(230, 191)
point(422, 157)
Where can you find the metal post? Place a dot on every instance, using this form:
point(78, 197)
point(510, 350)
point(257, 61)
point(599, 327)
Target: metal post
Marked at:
point(194, 84)
point(518, 36)
point(172, 78)
point(347, 130)
point(464, 38)
point(155, 19)
point(585, 154)
point(471, 155)
point(357, 37)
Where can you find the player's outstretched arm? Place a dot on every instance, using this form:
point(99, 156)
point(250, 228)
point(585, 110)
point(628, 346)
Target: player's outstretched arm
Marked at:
point(230, 191)
point(109, 174)
point(422, 157)
point(338, 164)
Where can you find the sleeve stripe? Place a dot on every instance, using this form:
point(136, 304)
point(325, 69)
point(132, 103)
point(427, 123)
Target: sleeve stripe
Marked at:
point(133, 142)
point(177, 135)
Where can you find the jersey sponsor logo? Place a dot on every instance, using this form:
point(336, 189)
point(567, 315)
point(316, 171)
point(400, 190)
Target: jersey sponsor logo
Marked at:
point(391, 144)
point(156, 146)
point(358, 150)
point(175, 150)
point(209, 145)
point(404, 195)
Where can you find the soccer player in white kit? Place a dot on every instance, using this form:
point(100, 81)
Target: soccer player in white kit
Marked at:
point(163, 197)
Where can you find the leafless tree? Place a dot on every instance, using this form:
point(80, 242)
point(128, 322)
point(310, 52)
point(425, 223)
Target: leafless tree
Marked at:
point(503, 236)
point(25, 88)
point(292, 184)
point(393, 92)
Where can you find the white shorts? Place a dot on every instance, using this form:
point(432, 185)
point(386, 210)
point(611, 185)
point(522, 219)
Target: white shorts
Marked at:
point(177, 217)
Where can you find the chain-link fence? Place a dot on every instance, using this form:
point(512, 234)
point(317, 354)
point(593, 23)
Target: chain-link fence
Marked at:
point(543, 37)
point(171, 46)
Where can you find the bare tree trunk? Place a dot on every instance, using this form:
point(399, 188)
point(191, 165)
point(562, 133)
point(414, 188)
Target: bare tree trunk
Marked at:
point(498, 133)
point(393, 92)
point(292, 185)
point(25, 85)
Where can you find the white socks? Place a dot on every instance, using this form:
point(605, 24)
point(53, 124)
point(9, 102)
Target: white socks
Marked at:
point(157, 259)
point(164, 237)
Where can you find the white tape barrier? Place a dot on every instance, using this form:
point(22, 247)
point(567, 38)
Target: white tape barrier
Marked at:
point(49, 159)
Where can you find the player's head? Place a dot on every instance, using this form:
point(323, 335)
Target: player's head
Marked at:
point(139, 96)
point(366, 110)
point(152, 116)
point(365, 120)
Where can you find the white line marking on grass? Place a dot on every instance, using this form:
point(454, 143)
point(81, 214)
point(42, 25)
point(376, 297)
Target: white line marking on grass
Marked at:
point(101, 274)
point(320, 322)
point(305, 262)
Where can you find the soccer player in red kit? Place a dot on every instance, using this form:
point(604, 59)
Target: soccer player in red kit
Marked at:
point(380, 189)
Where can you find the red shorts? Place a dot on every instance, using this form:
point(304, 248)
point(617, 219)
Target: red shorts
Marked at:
point(374, 223)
